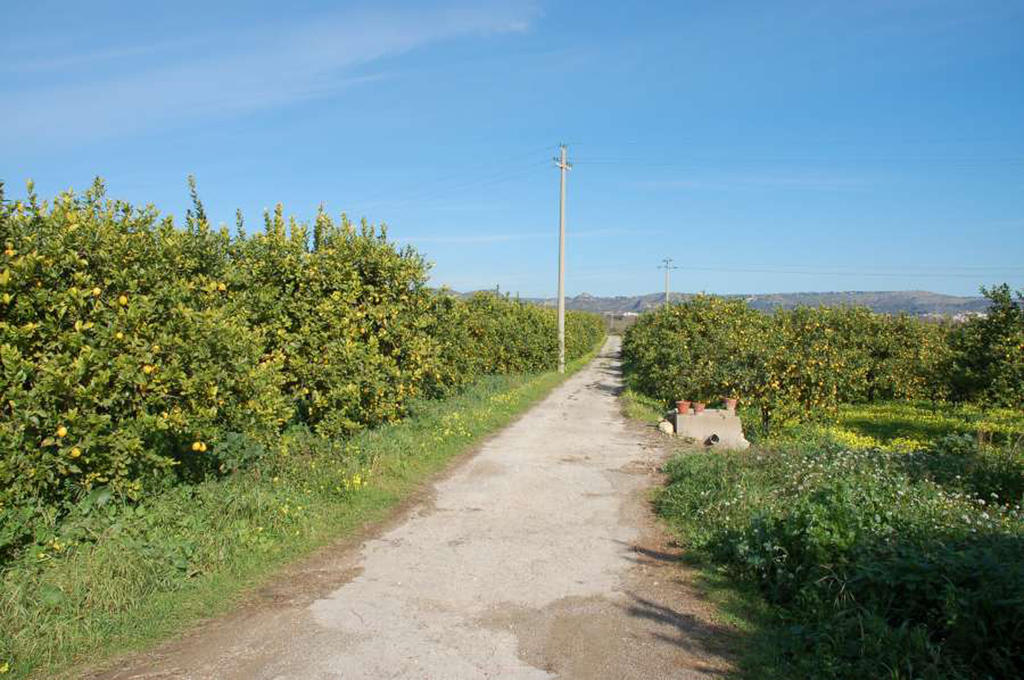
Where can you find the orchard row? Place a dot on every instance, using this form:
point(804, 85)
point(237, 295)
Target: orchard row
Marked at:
point(801, 364)
point(135, 352)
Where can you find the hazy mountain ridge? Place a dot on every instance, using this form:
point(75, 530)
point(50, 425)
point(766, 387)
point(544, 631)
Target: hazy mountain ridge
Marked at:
point(914, 302)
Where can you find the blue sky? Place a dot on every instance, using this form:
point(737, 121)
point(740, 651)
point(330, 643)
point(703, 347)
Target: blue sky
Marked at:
point(783, 146)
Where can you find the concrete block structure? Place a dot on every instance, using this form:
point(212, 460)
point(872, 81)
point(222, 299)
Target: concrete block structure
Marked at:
point(712, 428)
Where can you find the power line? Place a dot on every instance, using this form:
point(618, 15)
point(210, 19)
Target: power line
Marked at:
point(698, 158)
point(1013, 272)
point(492, 179)
point(511, 168)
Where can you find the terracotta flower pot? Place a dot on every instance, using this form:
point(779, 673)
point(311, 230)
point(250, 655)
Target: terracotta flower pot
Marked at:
point(698, 407)
point(683, 406)
point(730, 403)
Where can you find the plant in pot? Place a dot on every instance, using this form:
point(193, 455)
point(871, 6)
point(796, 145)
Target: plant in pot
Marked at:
point(731, 390)
point(683, 406)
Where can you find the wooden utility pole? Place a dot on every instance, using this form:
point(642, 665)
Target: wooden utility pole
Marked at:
point(563, 167)
point(667, 265)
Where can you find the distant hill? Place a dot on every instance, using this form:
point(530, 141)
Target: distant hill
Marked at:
point(914, 302)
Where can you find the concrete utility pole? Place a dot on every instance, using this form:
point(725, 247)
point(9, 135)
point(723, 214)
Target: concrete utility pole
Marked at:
point(667, 265)
point(563, 166)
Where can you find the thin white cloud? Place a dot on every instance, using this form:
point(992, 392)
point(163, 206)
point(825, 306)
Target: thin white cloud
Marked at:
point(281, 65)
point(84, 59)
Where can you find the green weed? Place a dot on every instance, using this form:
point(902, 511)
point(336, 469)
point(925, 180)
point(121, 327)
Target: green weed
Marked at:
point(876, 563)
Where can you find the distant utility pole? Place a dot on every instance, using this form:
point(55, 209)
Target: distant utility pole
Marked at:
point(563, 166)
point(667, 265)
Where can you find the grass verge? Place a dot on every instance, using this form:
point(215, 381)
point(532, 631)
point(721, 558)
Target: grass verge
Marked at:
point(115, 578)
point(640, 407)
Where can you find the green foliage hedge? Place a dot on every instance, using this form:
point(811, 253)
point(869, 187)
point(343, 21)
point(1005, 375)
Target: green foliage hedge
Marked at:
point(801, 364)
point(135, 354)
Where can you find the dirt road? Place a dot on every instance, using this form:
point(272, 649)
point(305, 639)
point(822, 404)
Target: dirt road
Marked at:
point(535, 558)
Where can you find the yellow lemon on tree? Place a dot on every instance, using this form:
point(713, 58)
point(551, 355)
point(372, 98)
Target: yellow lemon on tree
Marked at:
point(96, 292)
point(123, 300)
point(147, 369)
point(62, 431)
point(202, 447)
point(76, 452)
point(119, 335)
point(197, 446)
point(221, 287)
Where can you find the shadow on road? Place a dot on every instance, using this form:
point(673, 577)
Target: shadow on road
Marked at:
point(608, 388)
